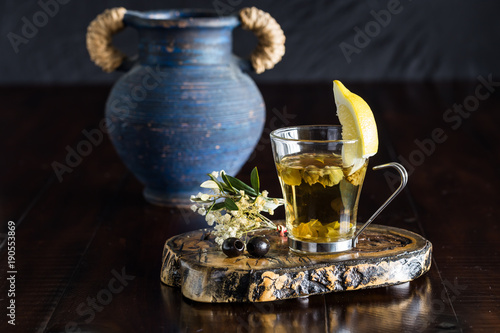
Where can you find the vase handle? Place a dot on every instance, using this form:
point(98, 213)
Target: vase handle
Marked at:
point(99, 39)
point(271, 39)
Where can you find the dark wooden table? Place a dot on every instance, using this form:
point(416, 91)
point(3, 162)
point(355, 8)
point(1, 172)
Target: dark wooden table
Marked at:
point(88, 247)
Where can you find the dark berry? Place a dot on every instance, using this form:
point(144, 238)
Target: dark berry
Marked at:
point(258, 246)
point(233, 247)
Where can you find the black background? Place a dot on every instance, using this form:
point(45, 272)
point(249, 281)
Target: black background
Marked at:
point(425, 40)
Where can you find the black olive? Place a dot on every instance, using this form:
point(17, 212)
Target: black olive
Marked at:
point(233, 247)
point(258, 246)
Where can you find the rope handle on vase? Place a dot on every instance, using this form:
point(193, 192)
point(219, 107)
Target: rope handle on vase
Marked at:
point(271, 39)
point(99, 39)
point(268, 52)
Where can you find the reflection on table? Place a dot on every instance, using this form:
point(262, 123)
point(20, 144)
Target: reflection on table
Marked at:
point(408, 304)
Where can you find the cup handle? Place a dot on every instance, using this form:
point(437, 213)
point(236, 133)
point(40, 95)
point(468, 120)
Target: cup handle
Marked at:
point(99, 39)
point(404, 180)
point(271, 39)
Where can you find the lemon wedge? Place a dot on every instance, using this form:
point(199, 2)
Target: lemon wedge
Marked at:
point(357, 122)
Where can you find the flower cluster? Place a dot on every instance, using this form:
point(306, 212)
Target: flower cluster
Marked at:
point(233, 206)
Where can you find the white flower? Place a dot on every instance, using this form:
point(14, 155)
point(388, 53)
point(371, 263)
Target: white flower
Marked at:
point(232, 223)
point(260, 200)
point(231, 232)
point(219, 240)
point(210, 218)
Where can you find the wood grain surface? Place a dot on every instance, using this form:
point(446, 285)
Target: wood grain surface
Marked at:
point(73, 236)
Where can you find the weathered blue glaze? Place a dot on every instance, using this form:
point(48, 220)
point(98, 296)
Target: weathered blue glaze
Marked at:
point(185, 107)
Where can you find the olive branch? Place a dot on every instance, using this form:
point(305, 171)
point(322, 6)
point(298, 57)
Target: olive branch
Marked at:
point(233, 206)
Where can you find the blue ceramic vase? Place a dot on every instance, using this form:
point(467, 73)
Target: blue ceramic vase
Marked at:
point(185, 106)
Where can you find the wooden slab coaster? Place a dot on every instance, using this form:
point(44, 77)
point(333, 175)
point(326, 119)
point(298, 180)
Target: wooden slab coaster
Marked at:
point(384, 256)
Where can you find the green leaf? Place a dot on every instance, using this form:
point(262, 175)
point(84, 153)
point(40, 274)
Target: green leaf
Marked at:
point(217, 206)
point(226, 188)
point(230, 187)
point(238, 184)
point(230, 204)
point(254, 179)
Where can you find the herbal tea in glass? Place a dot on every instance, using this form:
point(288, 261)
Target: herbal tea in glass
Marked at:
point(321, 179)
point(321, 196)
point(321, 170)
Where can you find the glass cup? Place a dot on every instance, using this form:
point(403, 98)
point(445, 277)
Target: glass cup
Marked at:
point(321, 178)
